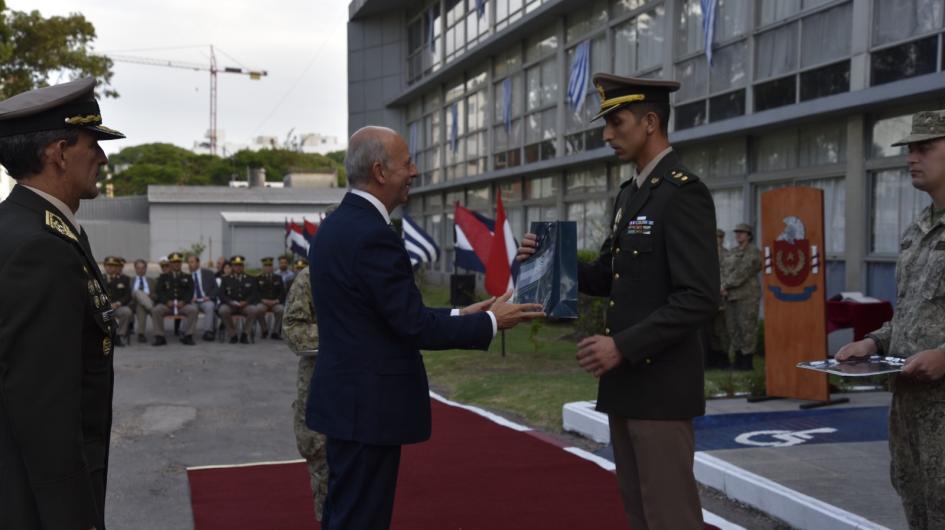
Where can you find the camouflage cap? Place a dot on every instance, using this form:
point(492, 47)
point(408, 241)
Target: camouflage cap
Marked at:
point(743, 227)
point(926, 125)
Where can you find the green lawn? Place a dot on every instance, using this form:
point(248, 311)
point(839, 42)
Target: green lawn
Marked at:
point(537, 376)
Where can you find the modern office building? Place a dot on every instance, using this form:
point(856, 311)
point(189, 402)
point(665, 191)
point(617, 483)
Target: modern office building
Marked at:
point(799, 92)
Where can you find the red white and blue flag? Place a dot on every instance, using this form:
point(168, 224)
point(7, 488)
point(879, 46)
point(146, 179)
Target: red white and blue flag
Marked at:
point(480, 247)
point(298, 237)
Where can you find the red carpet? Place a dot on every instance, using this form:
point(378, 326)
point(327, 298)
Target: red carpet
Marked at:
point(473, 474)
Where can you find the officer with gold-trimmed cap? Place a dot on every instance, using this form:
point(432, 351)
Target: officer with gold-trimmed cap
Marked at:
point(57, 376)
point(238, 296)
point(175, 294)
point(118, 287)
point(271, 292)
point(659, 270)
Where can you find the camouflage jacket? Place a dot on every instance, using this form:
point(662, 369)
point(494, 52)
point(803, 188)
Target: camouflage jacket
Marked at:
point(920, 281)
point(740, 273)
point(298, 323)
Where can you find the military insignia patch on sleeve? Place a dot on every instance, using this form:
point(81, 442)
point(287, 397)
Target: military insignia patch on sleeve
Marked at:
point(56, 224)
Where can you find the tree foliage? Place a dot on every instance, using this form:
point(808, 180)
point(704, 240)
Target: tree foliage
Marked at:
point(134, 168)
point(32, 48)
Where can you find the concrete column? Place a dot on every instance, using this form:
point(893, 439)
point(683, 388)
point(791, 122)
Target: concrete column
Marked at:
point(857, 226)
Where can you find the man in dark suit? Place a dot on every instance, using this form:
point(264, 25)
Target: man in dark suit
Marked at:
point(205, 295)
point(56, 341)
point(659, 268)
point(369, 394)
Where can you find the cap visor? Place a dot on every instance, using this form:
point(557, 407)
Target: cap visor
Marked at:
point(605, 112)
point(105, 133)
point(916, 138)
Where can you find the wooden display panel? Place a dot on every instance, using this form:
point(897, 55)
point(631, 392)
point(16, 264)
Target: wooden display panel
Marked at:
point(793, 269)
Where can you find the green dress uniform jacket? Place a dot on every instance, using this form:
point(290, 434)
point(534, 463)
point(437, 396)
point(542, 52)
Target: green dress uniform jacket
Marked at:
point(175, 286)
point(239, 288)
point(270, 287)
point(56, 375)
point(659, 267)
point(119, 289)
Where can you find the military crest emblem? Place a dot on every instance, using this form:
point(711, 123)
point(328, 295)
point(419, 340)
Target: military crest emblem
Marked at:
point(793, 260)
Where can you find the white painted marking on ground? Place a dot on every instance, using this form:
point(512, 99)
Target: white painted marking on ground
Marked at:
point(482, 412)
point(587, 455)
point(248, 464)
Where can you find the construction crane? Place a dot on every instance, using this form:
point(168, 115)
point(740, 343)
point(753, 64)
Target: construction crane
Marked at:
point(212, 68)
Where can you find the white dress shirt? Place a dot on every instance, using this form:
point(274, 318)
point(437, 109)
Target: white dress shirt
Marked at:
point(143, 286)
point(381, 209)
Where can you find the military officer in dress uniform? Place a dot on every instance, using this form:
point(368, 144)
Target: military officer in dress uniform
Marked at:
point(238, 296)
point(659, 269)
point(118, 287)
point(175, 294)
point(271, 292)
point(916, 333)
point(57, 340)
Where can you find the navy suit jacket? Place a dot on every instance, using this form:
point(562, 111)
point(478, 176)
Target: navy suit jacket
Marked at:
point(370, 385)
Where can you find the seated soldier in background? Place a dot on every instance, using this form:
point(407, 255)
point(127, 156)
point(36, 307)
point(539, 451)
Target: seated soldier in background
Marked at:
point(143, 294)
point(118, 287)
point(271, 293)
point(301, 332)
point(238, 296)
point(175, 290)
point(165, 265)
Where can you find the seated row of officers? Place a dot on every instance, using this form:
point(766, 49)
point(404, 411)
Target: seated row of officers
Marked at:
point(227, 293)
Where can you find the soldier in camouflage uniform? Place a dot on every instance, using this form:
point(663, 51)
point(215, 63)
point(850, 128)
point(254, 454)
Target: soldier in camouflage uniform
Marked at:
point(717, 353)
point(301, 333)
point(741, 289)
point(917, 333)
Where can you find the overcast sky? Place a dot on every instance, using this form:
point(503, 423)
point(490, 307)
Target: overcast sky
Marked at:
point(301, 43)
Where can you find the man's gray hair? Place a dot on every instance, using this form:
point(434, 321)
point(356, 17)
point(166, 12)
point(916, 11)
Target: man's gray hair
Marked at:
point(364, 150)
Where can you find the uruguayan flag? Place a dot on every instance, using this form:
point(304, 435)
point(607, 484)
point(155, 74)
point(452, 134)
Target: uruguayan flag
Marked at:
point(580, 73)
point(708, 26)
point(420, 246)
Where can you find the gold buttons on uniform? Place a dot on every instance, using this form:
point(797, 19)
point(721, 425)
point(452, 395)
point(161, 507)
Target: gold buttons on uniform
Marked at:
point(607, 331)
point(106, 346)
point(616, 275)
point(611, 303)
point(649, 361)
point(636, 253)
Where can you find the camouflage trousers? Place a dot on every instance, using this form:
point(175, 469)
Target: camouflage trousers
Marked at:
point(310, 443)
point(917, 452)
point(741, 322)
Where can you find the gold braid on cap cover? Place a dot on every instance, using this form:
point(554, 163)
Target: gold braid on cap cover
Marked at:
point(84, 120)
point(613, 102)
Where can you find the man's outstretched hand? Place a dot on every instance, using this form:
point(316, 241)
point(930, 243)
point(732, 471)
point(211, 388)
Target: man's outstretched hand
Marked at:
point(510, 315)
point(527, 247)
point(484, 305)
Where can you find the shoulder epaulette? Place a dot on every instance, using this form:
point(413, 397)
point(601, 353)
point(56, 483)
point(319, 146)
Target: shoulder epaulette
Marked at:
point(55, 224)
point(681, 177)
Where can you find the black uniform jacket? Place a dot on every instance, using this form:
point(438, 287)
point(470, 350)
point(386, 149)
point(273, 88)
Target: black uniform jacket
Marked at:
point(239, 288)
point(119, 289)
point(175, 286)
point(660, 269)
point(56, 374)
point(270, 287)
